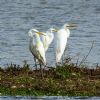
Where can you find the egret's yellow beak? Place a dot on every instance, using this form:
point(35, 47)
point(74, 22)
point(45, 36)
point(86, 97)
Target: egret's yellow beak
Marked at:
point(41, 33)
point(56, 30)
point(72, 25)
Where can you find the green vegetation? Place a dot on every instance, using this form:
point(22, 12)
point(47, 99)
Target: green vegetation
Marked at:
point(66, 80)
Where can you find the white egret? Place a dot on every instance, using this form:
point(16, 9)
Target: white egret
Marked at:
point(47, 40)
point(61, 40)
point(36, 46)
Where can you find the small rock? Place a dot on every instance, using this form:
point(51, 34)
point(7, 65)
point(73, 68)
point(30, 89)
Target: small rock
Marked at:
point(74, 74)
point(13, 87)
point(22, 86)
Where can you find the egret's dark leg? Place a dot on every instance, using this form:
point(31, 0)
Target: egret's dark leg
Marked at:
point(57, 64)
point(45, 66)
point(41, 70)
point(62, 59)
point(35, 63)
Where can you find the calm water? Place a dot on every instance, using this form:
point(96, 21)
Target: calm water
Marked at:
point(18, 16)
point(48, 98)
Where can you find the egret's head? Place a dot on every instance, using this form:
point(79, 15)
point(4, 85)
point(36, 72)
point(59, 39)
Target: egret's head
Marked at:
point(30, 33)
point(69, 26)
point(52, 30)
point(33, 32)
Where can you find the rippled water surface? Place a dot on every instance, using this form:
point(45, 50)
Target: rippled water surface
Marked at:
point(47, 98)
point(18, 16)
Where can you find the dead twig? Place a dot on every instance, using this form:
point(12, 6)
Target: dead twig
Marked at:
point(85, 57)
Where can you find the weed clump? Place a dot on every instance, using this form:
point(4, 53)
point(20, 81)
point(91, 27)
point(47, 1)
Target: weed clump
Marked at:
point(67, 79)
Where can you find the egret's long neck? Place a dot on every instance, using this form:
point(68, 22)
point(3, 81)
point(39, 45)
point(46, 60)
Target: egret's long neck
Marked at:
point(37, 38)
point(50, 33)
point(31, 39)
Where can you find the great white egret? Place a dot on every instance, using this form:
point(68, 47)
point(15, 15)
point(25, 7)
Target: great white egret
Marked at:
point(61, 40)
point(36, 46)
point(47, 40)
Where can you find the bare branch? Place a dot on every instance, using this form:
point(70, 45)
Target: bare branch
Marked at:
point(85, 57)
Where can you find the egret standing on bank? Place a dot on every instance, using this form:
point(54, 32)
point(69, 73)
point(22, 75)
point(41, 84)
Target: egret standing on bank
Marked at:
point(36, 46)
point(61, 40)
point(47, 40)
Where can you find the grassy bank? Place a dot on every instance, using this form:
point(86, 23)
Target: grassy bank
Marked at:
point(69, 80)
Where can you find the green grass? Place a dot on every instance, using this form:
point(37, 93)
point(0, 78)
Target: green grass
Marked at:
point(66, 80)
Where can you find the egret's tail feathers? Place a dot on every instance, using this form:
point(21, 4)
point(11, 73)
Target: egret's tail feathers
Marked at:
point(58, 57)
point(44, 62)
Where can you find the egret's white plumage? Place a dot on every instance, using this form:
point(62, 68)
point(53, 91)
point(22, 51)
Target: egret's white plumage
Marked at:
point(61, 41)
point(47, 40)
point(36, 46)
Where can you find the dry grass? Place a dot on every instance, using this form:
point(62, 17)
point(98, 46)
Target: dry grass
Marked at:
point(67, 80)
